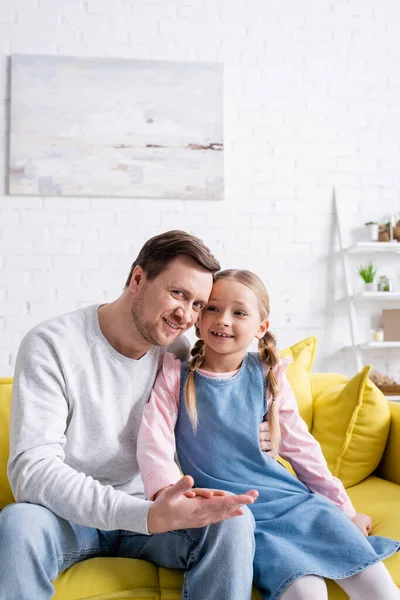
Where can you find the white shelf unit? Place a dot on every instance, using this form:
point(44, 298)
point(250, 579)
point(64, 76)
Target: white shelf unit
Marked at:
point(375, 345)
point(384, 296)
point(392, 247)
point(353, 299)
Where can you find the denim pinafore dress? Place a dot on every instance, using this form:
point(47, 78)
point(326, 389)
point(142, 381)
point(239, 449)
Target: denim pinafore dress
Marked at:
point(297, 532)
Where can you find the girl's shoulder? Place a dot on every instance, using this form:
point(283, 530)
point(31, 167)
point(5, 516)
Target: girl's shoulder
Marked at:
point(170, 361)
point(169, 370)
point(279, 372)
point(281, 367)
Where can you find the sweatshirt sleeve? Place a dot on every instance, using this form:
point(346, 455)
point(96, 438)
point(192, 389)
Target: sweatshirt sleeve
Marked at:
point(38, 435)
point(156, 441)
point(303, 451)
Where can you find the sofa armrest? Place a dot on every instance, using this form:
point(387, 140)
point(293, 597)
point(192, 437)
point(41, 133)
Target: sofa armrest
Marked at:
point(389, 467)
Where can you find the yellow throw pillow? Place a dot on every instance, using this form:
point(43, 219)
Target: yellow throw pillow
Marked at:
point(351, 422)
point(6, 496)
point(322, 381)
point(303, 354)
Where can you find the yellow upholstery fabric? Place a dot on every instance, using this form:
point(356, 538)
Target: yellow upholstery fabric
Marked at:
point(6, 496)
point(127, 578)
point(303, 354)
point(351, 422)
point(90, 578)
point(322, 381)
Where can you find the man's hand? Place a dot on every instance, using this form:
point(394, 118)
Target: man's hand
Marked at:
point(174, 510)
point(193, 492)
point(265, 440)
point(364, 523)
point(204, 493)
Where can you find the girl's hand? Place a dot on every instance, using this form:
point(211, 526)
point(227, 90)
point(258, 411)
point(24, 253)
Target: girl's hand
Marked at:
point(204, 493)
point(364, 523)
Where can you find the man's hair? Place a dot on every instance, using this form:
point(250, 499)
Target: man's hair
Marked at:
point(159, 250)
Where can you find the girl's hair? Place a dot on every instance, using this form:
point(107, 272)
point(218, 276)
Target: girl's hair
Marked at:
point(197, 353)
point(268, 353)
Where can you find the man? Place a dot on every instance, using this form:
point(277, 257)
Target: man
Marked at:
point(81, 381)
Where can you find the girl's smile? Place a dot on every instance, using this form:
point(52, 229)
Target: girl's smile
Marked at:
point(222, 335)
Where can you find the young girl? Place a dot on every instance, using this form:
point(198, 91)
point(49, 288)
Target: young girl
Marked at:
point(209, 411)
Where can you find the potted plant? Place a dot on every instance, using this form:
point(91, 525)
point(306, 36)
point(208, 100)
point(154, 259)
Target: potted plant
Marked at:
point(384, 284)
point(372, 231)
point(368, 273)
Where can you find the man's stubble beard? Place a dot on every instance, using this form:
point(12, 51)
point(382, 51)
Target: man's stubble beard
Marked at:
point(147, 331)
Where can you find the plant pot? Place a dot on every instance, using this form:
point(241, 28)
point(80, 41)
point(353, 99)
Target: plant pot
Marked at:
point(370, 287)
point(372, 232)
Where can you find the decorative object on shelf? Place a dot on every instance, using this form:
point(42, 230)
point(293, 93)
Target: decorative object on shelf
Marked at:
point(391, 324)
point(396, 231)
point(385, 284)
point(392, 225)
point(390, 230)
point(383, 234)
point(377, 335)
point(386, 384)
point(367, 273)
point(372, 231)
point(116, 128)
point(380, 379)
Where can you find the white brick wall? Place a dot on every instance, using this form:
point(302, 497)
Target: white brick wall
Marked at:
point(312, 95)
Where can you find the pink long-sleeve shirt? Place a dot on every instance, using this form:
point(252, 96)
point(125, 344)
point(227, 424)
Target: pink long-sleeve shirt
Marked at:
point(156, 441)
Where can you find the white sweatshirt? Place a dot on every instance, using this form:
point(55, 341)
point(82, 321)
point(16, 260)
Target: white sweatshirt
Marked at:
point(75, 415)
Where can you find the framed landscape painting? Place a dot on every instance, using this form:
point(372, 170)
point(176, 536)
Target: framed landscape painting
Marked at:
point(116, 128)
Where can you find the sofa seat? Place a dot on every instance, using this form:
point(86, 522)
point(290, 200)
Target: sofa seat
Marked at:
point(123, 578)
point(117, 578)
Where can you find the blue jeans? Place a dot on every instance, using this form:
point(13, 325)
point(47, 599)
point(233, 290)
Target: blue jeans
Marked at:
point(36, 545)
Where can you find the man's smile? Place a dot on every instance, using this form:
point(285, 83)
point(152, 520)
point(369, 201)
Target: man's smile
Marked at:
point(171, 324)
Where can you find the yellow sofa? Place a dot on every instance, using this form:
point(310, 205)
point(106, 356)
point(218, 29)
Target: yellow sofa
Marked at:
point(377, 495)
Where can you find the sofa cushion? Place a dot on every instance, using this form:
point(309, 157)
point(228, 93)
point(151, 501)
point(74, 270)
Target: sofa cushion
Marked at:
point(322, 381)
point(351, 422)
point(302, 355)
point(6, 496)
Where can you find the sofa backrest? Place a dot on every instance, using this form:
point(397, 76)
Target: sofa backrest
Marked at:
point(5, 401)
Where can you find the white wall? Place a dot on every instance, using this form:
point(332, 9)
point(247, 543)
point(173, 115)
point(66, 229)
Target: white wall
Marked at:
point(312, 95)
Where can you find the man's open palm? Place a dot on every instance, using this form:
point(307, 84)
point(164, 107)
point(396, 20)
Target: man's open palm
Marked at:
point(174, 510)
